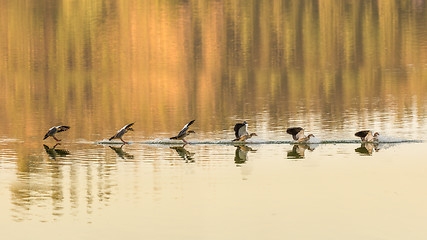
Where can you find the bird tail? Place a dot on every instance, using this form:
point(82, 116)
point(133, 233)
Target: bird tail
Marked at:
point(173, 138)
point(111, 138)
point(45, 136)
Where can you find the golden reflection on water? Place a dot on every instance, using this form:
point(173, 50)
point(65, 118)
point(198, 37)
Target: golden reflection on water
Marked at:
point(219, 191)
point(97, 65)
point(331, 66)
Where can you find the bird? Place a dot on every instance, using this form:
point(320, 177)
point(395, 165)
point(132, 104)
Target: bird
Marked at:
point(367, 136)
point(241, 132)
point(53, 130)
point(122, 132)
point(184, 132)
point(245, 137)
point(298, 134)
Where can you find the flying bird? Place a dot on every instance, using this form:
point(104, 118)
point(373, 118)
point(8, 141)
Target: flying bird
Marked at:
point(241, 132)
point(184, 132)
point(367, 136)
point(298, 134)
point(122, 132)
point(53, 130)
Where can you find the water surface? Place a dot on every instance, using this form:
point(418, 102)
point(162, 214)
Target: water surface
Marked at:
point(332, 67)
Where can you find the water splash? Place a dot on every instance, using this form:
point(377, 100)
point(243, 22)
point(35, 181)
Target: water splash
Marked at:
point(259, 141)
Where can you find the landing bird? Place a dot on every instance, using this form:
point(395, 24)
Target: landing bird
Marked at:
point(122, 132)
point(53, 130)
point(241, 132)
point(298, 134)
point(184, 132)
point(366, 136)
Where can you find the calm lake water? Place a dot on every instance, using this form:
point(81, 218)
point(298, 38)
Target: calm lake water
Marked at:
point(332, 67)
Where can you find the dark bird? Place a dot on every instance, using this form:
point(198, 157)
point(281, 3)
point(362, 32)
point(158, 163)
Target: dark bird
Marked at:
point(53, 130)
point(184, 132)
point(298, 134)
point(367, 136)
point(241, 132)
point(122, 132)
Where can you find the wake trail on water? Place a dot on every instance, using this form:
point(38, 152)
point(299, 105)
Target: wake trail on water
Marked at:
point(382, 139)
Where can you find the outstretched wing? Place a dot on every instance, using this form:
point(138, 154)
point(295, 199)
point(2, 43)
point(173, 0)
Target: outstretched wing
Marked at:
point(121, 132)
point(129, 125)
point(294, 131)
point(362, 134)
point(240, 129)
point(62, 128)
point(237, 128)
point(184, 129)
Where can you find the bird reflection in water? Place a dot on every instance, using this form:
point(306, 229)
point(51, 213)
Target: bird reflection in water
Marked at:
point(241, 154)
point(367, 148)
point(184, 153)
point(122, 154)
point(54, 152)
point(298, 150)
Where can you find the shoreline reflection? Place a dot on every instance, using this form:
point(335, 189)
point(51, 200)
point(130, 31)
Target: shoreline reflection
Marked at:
point(46, 188)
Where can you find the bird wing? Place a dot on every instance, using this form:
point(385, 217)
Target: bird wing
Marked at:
point(120, 133)
point(294, 131)
point(51, 131)
point(240, 129)
point(243, 131)
point(62, 128)
point(362, 134)
point(128, 126)
point(185, 128)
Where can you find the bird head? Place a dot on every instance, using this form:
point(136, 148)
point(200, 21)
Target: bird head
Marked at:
point(376, 134)
point(130, 129)
point(310, 135)
point(191, 131)
point(253, 134)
